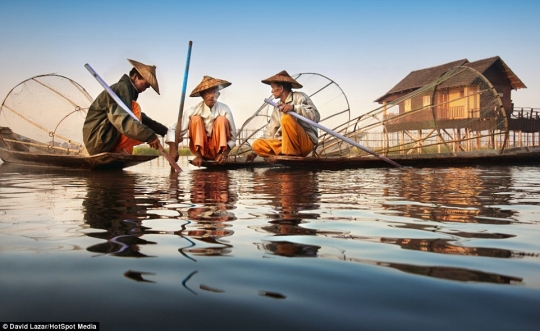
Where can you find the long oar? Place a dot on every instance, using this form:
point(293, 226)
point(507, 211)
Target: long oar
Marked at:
point(123, 105)
point(182, 98)
point(335, 134)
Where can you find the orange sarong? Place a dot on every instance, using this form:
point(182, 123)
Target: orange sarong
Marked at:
point(294, 141)
point(126, 144)
point(209, 147)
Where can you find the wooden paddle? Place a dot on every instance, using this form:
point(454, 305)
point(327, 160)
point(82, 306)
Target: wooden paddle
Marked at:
point(182, 98)
point(123, 105)
point(335, 134)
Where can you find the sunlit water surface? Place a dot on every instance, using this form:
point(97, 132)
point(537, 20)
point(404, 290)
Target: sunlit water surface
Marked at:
point(272, 249)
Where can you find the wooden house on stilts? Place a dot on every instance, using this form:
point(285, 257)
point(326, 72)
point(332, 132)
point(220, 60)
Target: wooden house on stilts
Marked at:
point(457, 107)
point(466, 105)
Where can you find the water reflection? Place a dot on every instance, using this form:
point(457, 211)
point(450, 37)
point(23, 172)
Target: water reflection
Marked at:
point(292, 194)
point(446, 246)
point(115, 204)
point(213, 204)
point(121, 204)
point(138, 276)
point(301, 213)
point(453, 273)
point(462, 195)
point(457, 196)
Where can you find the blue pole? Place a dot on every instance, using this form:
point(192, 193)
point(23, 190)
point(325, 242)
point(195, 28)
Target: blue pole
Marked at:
point(182, 98)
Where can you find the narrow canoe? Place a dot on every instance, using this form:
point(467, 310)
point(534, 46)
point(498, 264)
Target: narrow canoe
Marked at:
point(102, 161)
point(517, 156)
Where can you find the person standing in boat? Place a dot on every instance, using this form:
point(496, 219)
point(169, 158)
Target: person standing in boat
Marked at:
point(210, 123)
point(109, 128)
point(284, 135)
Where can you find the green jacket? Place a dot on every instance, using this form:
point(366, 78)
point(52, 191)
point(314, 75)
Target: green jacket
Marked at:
point(106, 120)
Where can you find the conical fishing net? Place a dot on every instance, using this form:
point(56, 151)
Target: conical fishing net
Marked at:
point(330, 100)
point(45, 114)
point(458, 112)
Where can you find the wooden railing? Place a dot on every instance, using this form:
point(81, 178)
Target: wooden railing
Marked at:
point(526, 112)
point(451, 112)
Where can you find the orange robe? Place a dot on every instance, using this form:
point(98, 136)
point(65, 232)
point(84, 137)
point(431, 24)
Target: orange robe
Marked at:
point(126, 144)
point(294, 140)
point(209, 147)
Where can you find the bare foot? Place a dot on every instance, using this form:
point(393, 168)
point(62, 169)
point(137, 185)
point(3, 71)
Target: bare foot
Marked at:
point(250, 157)
point(222, 157)
point(197, 161)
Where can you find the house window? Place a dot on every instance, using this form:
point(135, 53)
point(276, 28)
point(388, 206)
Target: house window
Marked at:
point(426, 100)
point(407, 105)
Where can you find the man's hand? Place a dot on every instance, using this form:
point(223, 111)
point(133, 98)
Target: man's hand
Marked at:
point(155, 144)
point(286, 108)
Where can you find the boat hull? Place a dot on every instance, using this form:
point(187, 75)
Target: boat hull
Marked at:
point(102, 161)
point(521, 156)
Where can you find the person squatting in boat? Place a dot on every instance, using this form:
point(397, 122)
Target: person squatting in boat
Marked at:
point(284, 135)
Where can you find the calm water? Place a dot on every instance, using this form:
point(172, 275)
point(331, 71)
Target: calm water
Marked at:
point(272, 249)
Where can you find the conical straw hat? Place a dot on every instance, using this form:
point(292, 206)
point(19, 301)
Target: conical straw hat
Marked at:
point(282, 77)
point(207, 83)
point(148, 72)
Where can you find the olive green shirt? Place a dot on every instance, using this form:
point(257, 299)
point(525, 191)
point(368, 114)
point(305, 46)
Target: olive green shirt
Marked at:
point(106, 120)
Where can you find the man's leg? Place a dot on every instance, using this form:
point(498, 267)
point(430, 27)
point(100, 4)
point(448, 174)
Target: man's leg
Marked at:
point(295, 139)
point(198, 142)
point(221, 134)
point(266, 147)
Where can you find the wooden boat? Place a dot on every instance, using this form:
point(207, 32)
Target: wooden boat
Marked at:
point(18, 149)
point(240, 163)
point(102, 161)
point(50, 111)
point(516, 156)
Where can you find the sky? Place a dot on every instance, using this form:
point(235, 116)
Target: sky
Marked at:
point(366, 47)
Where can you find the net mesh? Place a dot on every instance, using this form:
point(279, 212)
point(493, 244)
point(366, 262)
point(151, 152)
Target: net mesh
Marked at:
point(458, 112)
point(328, 97)
point(45, 114)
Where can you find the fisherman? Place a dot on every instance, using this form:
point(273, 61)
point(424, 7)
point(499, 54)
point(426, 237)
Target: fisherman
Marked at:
point(284, 135)
point(109, 128)
point(210, 124)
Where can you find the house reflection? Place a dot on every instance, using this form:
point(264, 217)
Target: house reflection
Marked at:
point(452, 273)
point(292, 195)
point(447, 246)
point(454, 194)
